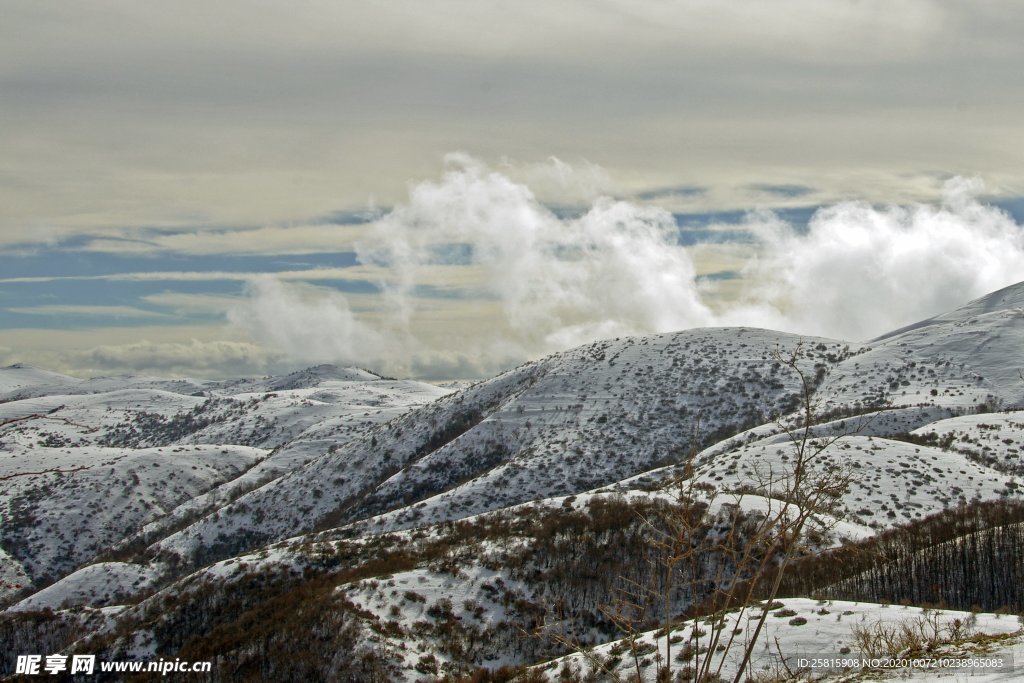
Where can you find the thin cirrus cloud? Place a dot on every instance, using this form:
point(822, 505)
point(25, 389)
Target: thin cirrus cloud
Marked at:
point(783, 190)
point(676, 192)
point(619, 268)
point(287, 240)
point(82, 310)
point(340, 274)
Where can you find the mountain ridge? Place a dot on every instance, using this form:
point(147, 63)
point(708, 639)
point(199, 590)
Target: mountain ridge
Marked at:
point(341, 463)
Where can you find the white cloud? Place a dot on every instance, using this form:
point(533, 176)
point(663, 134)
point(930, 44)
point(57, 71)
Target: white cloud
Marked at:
point(614, 270)
point(203, 358)
point(556, 182)
point(477, 275)
point(309, 324)
point(617, 269)
point(859, 271)
point(304, 324)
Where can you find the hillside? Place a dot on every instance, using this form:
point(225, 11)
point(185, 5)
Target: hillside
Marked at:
point(431, 529)
point(22, 376)
point(89, 465)
point(604, 412)
point(568, 423)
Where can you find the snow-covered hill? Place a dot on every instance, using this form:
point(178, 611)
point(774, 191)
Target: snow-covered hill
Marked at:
point(21, 376)
point(817, 639)
point(91, 466)
point(151, 491)
point(571, 422)
point(604, 412)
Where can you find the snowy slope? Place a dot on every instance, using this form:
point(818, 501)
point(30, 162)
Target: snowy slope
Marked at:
point(90, 465)
point(610, 410)
point(1009, 298)
point(72, 504)
point(801, 628)
point(99, 584)
point(324, 469)
point(967, 358)
point(568, 423)
point(20, 376)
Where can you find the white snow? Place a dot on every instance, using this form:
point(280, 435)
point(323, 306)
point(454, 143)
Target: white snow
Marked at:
point(102, 583)
point(923, 418)
point(797, 628)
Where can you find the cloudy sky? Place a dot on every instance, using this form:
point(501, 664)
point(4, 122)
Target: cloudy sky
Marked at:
point(446, 188)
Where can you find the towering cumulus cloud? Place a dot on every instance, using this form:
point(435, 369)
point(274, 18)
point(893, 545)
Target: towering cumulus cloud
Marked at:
point(616, 269)
point(480, 242)
point(859, 271)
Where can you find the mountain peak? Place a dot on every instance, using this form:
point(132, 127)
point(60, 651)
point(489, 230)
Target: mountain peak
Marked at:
point(999, 300)
point(22, 375)
point(1005, 299)
point(313, 376)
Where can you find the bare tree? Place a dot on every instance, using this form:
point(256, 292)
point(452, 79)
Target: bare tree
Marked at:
point(715, 554)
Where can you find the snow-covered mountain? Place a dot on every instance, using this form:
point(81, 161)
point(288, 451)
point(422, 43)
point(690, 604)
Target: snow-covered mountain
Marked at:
point(417, 512)
point(23, 376)
point(89, 467)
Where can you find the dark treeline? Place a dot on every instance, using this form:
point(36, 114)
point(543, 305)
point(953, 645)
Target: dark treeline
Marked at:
point(560, 576)
point(967, 557)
